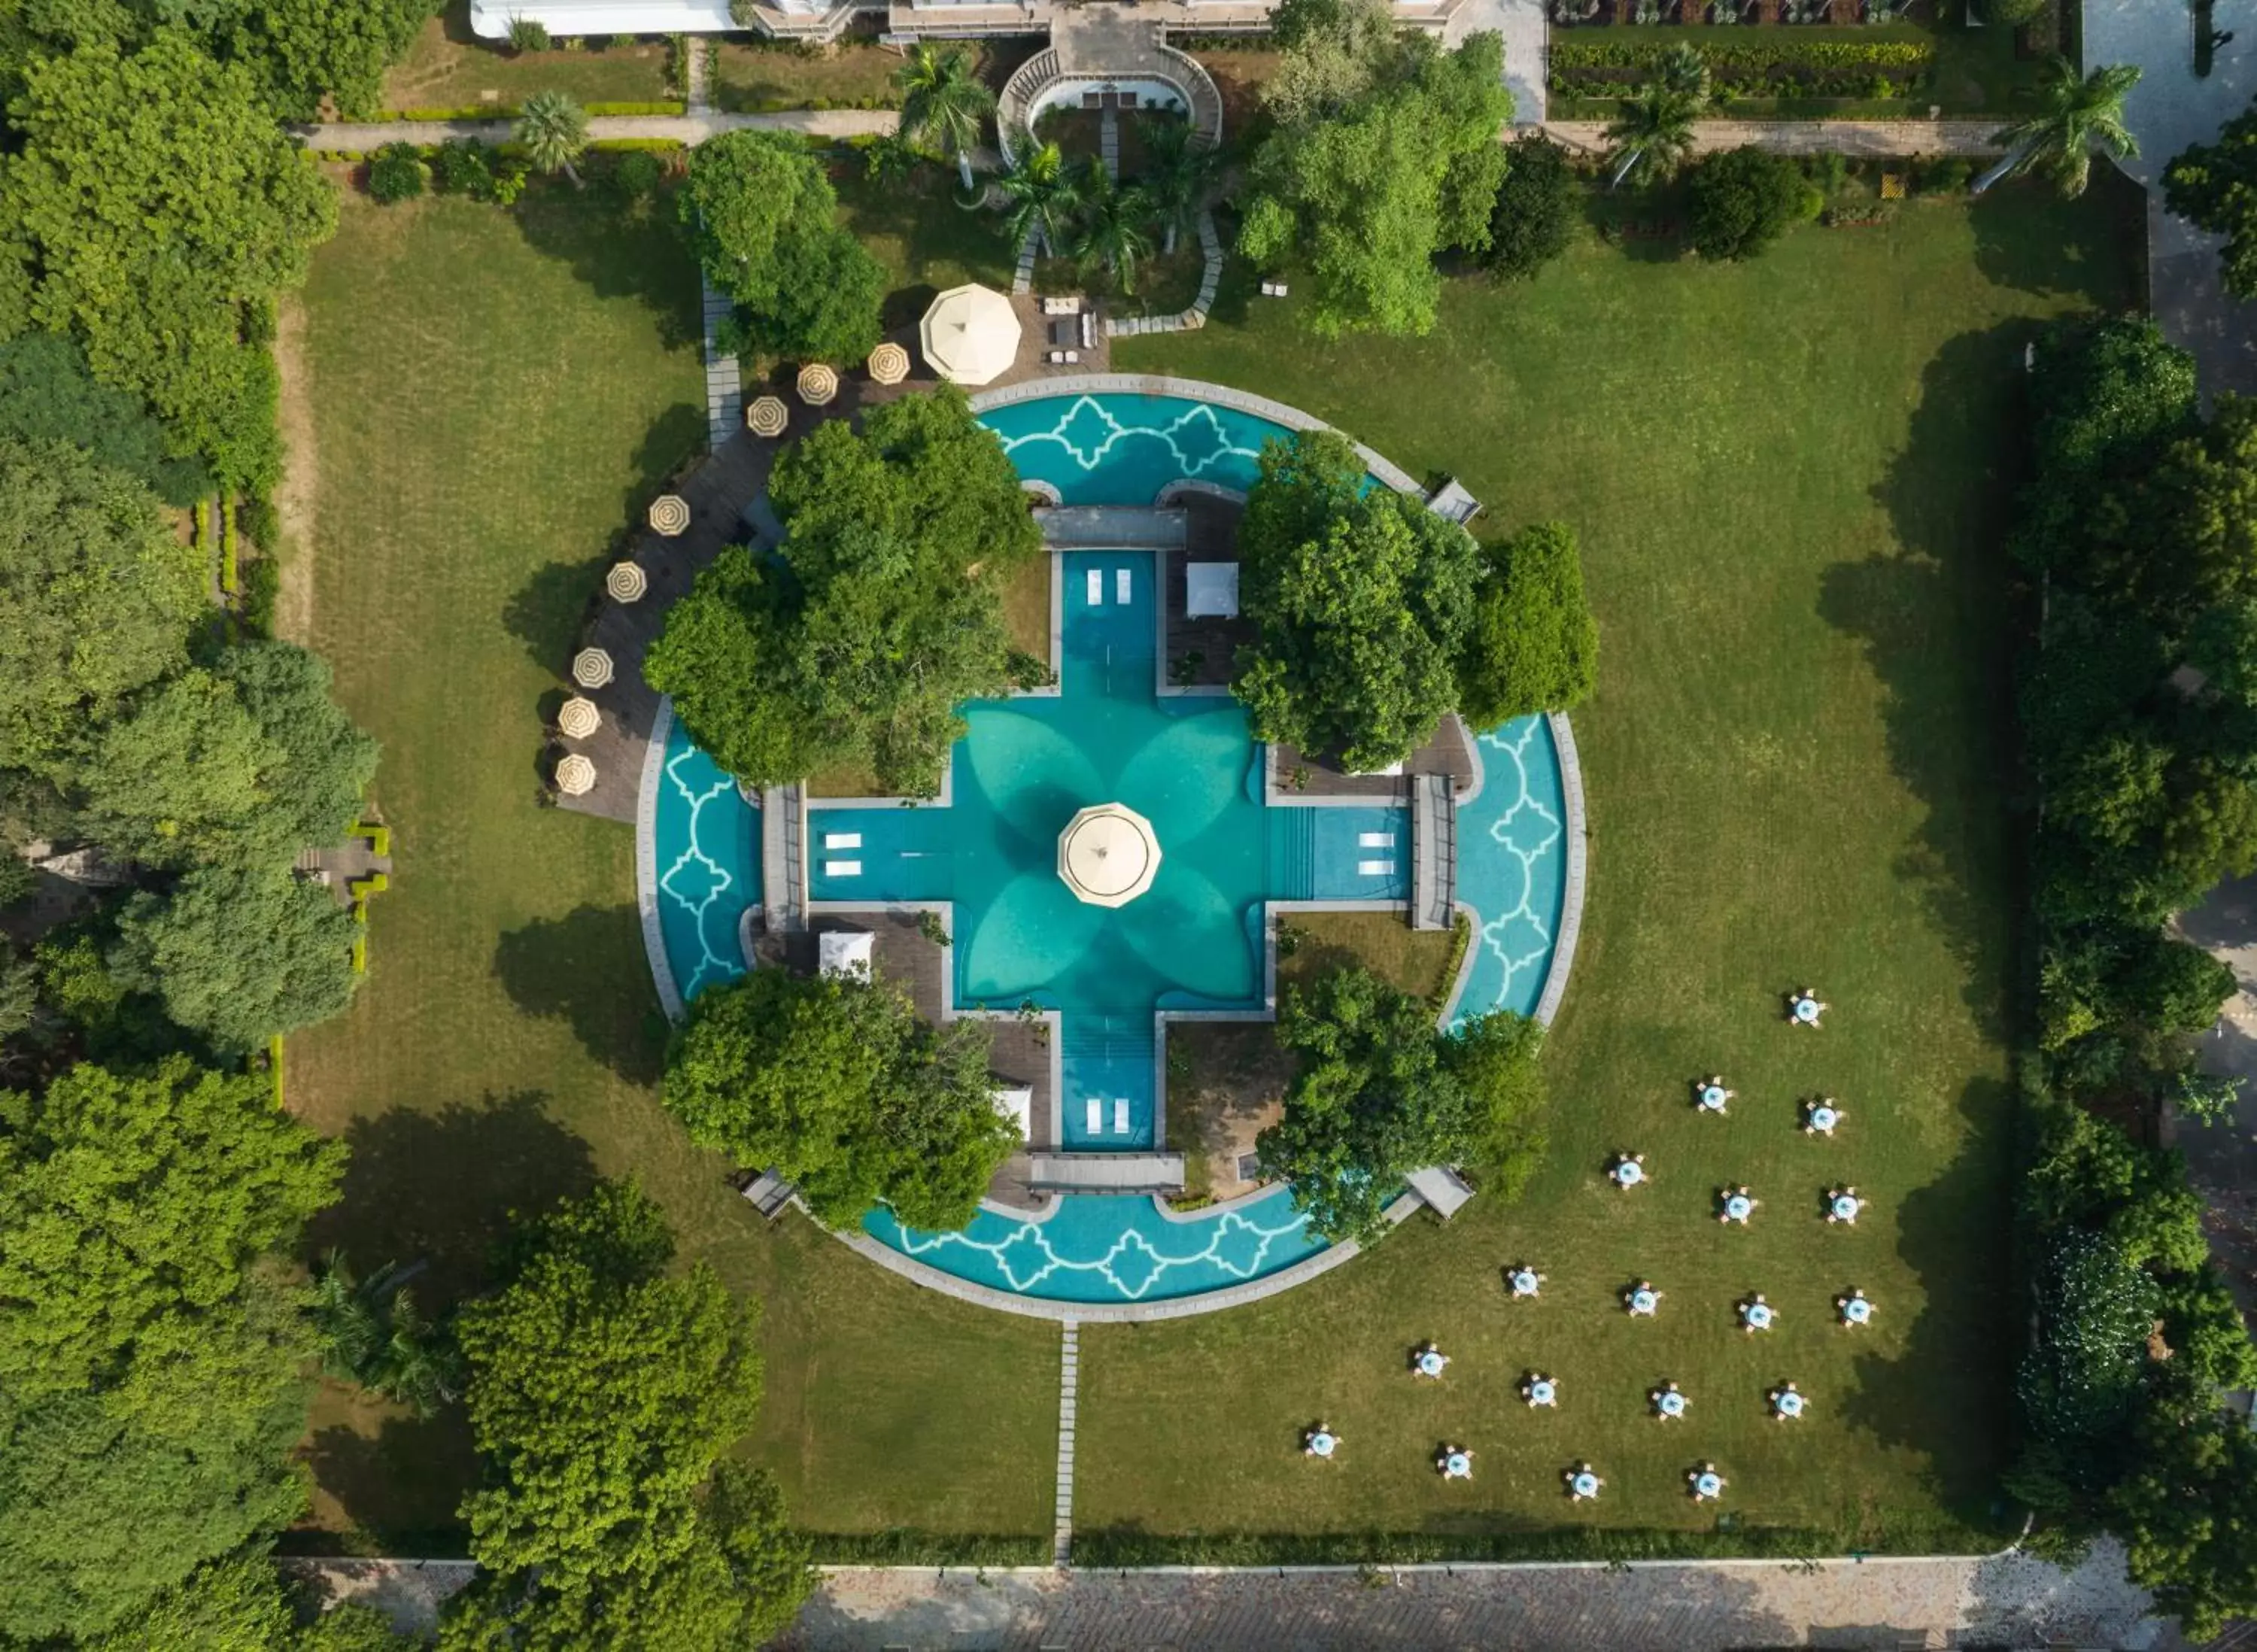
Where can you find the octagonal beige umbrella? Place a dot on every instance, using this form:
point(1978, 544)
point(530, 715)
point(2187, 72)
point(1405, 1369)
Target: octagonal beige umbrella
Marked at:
point(819, 383)
point(890, 363)
point(591, 667)
point(767, 416)
point(578, 718)
point(669, 514)
point(575, 776)
point(970, 335)
point(626, 581)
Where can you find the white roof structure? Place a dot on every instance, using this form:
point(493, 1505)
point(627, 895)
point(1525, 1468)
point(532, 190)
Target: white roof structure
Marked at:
point(846, 951)
point(490, 18)
point(1210, 590)
point(970, 335)
point(1107, 855)
point(1018, 1105)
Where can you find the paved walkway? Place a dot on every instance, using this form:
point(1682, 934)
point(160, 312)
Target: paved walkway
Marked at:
point(362, 137)
point(1069, 1393)
point(2168, 109)
point(1813, 138)
point(1708, 1607)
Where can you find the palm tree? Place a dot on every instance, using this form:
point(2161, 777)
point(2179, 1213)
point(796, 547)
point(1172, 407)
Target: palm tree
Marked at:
point(554, 130)
point(1683, 69)
point(1112, 230)
point(2075, 116)
point(1653, 134)
point(417, 1365)
point(1180, 172)
point(944, 102)
point(1041, 195)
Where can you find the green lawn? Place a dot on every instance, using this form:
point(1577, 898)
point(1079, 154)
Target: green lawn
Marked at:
point(1789, 480)
point(450, 68)
point(495, 397)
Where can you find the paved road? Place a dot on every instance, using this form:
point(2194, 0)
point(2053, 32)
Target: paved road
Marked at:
point(360, 137)
point(2009, 1601)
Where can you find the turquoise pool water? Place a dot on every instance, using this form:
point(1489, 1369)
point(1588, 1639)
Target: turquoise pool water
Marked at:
point(708, 863)
point(1190, 766)
point(1103, 1248)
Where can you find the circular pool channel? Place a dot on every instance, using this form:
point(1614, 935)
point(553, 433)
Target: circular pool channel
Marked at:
point(1191, 940)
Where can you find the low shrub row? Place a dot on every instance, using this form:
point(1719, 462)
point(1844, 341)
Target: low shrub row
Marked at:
point(903, 1546)
point(509, 111)
point(1783, 80)
point(1730, 56)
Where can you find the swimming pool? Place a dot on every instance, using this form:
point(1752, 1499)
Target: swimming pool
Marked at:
point(1187, 763)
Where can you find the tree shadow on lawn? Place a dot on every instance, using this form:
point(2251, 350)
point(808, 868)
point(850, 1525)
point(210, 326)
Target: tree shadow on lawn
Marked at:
point(401, 1487)
point(551, 612)
point(1937, 623)
point(619, 251)
point(1948, 1393)
point(573, 968)
point(440, 1187)
point(2027, 237)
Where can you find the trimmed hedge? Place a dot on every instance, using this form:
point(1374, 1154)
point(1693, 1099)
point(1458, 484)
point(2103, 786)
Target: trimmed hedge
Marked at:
point(510, 111)
point(904, 1546)
point(1748, 68)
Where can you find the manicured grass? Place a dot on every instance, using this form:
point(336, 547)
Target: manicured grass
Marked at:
point(1416, 960)
point(495, 397)
point(450, 68)
point(1791, 481)
point(751, 77)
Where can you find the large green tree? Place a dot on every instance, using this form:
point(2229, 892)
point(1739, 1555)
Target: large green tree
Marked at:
point(152, 1355)
point(835, 1083)
point(154, 211)
point(1533, 644)
point(763, 219)
point(603, 1393)
point(1386, 149)
point(1371, 1099)
point(47, 393)
point(883, 613)
point(1534, 213)
point(2214, 185)
point(1359, 600)
point(97, 596)
point(304, 50)
point(1740, 201)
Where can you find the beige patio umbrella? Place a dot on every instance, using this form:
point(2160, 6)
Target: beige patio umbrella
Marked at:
point(970, 335)
point(767, 416)
point(578, 718)
point(575, 776)
point(819, 383)
point(591, 667)
point(890, 363)
point(626, 581)
point(669, 514)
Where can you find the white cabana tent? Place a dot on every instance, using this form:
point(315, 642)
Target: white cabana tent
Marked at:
point(1017, 1104)
point(1210, 590)
point(846, 951)
point(970, 335)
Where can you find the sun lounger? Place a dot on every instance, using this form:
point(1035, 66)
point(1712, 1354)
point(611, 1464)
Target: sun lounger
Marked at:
point(1120, 1116)
point(850, 840)
point(1375, 869)
point(842, 868)
point(1121, 587)
point(1096, 587)
point(1096, 1117)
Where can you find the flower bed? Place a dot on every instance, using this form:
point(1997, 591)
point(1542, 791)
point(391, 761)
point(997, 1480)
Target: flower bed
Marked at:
point(1742, 67)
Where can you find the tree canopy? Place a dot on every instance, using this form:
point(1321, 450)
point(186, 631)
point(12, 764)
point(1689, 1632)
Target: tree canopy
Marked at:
point(1371, 1099)
point(1386, 150)
point(882, 613)
point(1532, 645)
point(2214, 185)
point(152, 213)
point(603, 1392)
point(239, 953)
point(1497, 1058)
point(152, 1355)
point(1359, 603)
point(763, 219)
point(1534, 213)
point(95, 597)
point(1740, 201)
point(835, 1083)
point(303, 49)
point(48, 394)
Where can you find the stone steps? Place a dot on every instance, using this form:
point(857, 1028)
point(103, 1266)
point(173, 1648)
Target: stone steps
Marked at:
point(1069, 1387)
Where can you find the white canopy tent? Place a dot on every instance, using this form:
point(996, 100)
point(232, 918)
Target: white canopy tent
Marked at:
point(970, 335)
point(1210, 590)
point(1017, 1104)
point(846, 951)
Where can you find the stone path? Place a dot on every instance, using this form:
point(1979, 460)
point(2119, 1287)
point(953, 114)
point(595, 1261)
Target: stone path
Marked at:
point(697, 95)
point(364, 138)
point(1647, 1607)
point(1813, 138)
point(724, 389)
point(2168, 109)
point(1069, 1387)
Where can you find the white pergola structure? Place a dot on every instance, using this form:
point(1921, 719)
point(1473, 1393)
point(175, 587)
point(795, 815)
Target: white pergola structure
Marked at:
point(849, 952)
point(1210, 590)
point(970, 335)
point(1108, 855)
point(1016, 1103)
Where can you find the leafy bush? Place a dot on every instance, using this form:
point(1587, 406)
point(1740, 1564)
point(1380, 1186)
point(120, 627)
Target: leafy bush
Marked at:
point(528, 34)
point(1534, 645)
point(637, 174)
point(1535, 210)
point(1740, 201)
point(396, 174)
point(462, 166)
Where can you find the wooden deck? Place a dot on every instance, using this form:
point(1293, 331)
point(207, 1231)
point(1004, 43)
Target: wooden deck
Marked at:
point(1212, 536)
point(1449, 753)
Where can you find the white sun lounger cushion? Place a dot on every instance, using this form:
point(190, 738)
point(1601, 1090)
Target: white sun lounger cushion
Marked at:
point(1097, 588)
point(1375, 868)
point(1121, 587)
point(842, 868)
point(849, 840)
point(1364, 840)
point(1096, 1118)
point(1120, 1116)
